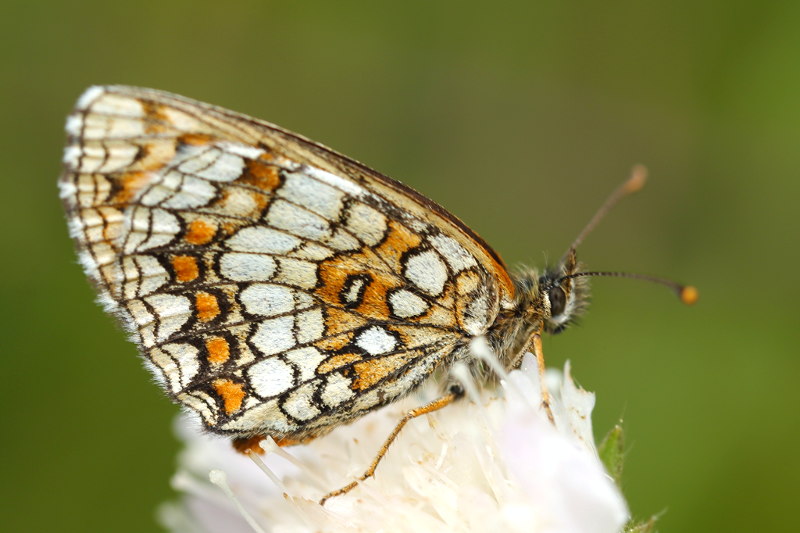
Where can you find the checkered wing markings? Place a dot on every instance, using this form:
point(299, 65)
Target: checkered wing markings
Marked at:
point(272, 283)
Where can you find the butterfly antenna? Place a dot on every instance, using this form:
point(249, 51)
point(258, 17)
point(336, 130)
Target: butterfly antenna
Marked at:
point(631, 185)
point(687, 294)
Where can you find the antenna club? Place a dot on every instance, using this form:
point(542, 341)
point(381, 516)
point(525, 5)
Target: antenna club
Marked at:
point(689, 295)
point(637, 180)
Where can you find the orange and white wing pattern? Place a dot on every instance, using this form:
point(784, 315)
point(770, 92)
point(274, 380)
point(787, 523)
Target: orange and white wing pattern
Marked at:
point(273, 286)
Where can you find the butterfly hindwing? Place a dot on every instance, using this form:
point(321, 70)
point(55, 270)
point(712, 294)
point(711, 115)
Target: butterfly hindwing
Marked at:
point(272, 285)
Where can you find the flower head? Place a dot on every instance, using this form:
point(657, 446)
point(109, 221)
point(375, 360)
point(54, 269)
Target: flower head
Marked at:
point(491, 462)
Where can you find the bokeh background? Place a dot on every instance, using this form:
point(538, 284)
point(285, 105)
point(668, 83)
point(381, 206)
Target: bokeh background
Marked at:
point(520, 117)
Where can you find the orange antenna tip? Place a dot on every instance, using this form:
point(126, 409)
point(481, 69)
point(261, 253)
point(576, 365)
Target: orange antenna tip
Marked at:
point(689, 295)
point(637, 180)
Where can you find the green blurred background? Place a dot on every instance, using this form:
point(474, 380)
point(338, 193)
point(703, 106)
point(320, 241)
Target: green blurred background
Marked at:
point(520, 117)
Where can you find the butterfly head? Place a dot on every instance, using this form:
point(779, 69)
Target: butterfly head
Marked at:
point(559, 297)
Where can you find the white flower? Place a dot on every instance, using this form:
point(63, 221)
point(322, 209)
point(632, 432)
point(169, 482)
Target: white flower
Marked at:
point(490, 462)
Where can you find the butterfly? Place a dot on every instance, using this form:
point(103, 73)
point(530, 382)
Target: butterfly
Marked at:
point(275, 287)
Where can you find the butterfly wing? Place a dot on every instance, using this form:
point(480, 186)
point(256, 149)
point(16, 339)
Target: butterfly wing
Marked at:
point(272, 285)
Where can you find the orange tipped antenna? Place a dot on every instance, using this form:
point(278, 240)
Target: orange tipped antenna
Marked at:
point(634, 183)
point(687, 294)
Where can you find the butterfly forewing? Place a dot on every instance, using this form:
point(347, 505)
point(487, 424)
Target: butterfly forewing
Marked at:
point(272, 285)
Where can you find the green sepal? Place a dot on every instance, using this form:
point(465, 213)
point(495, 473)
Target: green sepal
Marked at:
point(642, 527)
point(612, 453)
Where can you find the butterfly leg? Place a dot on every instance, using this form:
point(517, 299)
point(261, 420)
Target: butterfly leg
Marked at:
point(536, 347)
point(247, 445)
point(435, 405)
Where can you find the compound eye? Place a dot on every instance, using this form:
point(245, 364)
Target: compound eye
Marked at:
point(558, 301)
